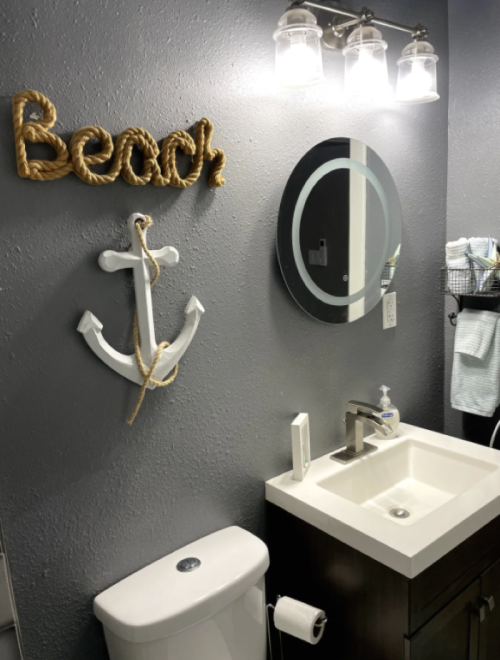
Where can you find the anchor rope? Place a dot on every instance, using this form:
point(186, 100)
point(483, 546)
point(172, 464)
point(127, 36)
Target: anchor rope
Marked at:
point(147, 374)
point(161, 173)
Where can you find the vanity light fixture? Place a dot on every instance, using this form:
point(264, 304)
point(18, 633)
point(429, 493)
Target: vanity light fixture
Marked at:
point(301, 34)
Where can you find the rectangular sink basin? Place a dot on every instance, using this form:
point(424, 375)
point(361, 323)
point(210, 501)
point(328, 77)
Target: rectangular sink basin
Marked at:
point(410, 479)
point(406, 505)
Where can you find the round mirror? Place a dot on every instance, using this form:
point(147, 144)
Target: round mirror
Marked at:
point(339, 231)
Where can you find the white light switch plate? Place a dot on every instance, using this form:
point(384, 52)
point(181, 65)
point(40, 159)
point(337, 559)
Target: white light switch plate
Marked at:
point(389, 313)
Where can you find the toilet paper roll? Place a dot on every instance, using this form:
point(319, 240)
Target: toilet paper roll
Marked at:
point(298, 619)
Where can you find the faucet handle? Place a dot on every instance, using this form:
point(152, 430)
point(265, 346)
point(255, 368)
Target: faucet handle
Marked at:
point(357, 407)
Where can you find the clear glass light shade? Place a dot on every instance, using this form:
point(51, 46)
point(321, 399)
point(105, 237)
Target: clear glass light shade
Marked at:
point(366, 63)
point(417, 81)
point(298, 49)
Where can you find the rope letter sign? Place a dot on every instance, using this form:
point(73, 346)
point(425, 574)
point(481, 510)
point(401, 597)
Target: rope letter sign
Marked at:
point(162, 173)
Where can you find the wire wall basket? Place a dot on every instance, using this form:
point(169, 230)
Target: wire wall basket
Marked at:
point(387, 275)
point(484, 282)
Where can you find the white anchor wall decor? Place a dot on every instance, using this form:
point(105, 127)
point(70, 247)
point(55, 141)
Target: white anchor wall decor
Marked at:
point(157, 360)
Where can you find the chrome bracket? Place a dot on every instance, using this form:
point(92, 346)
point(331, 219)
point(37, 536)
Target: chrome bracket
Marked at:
point(336, 27)
point(420, 33)
point(332, 19)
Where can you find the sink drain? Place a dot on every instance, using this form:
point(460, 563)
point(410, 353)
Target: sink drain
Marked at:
point(399, 513)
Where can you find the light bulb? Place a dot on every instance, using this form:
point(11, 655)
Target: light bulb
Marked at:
point(417, 74)
point(364, 77)
point(298, 49)
point(418, 82)
point(298, 61)
point(365, 62)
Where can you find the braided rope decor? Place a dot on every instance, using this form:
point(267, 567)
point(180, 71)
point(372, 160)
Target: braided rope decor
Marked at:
point(162, 173)
point(147, 374)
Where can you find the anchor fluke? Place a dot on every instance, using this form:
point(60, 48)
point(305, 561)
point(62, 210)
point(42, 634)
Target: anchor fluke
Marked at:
point(89, 322)
point(194, 304)
point(171, 355)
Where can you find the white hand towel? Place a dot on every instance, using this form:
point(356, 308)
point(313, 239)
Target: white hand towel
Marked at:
point(475, 332)
point(475, 381)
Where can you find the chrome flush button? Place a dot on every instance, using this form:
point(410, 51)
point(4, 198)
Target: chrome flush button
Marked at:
point(188, 565)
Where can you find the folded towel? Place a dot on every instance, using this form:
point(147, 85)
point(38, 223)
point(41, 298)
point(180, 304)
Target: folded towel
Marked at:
point(459, 274)
point(475, 380)
point(475, 329)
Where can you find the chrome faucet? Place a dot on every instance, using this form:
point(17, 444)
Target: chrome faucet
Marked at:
point(358, 414)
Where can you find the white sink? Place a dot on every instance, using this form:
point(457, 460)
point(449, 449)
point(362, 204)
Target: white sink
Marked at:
point(411, 475)
point(447, 489)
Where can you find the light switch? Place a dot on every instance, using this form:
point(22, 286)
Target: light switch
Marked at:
point(389, 313)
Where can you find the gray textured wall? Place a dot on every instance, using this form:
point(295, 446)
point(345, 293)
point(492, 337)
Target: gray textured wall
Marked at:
point(84, 499)
point(473, 166)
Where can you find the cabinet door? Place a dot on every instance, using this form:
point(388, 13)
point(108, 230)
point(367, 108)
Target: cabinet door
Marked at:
point(489, 635)
point(452, 634)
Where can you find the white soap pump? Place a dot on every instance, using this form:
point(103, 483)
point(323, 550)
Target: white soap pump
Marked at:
point(390, 415)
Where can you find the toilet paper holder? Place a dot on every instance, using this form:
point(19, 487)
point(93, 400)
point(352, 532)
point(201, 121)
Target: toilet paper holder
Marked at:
point(320, 624)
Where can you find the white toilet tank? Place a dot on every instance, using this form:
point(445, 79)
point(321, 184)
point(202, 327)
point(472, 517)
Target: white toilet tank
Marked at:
point(211, 607)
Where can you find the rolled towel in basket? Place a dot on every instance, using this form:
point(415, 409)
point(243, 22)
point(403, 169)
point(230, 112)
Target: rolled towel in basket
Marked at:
point(459, 271)
point(478, 248)
point(456, 249)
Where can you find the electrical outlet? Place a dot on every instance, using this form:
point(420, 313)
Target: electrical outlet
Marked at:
point(389, 313)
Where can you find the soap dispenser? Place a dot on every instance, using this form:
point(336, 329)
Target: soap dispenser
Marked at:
point(390, 415)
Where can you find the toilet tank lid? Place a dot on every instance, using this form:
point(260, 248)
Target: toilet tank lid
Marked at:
point(159, 600)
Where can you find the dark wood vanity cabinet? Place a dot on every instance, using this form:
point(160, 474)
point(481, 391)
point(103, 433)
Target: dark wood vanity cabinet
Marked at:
point(453, 634)
point(450, 611)
point(489, 639)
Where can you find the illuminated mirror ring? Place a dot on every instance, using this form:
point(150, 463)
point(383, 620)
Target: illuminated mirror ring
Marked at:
point(337, 164)
point(339, 231)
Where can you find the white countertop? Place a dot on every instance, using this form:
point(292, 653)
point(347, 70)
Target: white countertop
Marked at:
point(408, 547)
